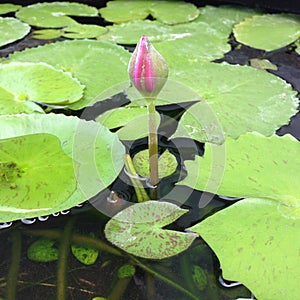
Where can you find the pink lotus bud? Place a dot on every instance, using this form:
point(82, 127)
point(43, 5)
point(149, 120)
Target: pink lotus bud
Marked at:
point(147, 69)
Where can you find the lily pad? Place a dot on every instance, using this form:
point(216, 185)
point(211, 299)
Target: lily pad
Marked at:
point(37, 82)
point(29, 179)
point(167, 164)
point(12, 30)
point(55, 14)
point(257, 246)
point(95, 151)
point(87, 60)
point(254, 166)
point(169, 12)
point(8, 7)
point(138, 230)
point(258, 31)
point(43, 250)
point(47, 34)
point(133, 121)
point(87, 256)
point(235, 100)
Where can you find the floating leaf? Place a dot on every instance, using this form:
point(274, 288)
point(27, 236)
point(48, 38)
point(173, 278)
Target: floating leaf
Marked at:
point(8, 7)
point(89, 61)
point(42, 250)
point(133, 121)
point(254, 166)
point(235, 100)
point(12, 30)
point(95, 151)
point(82, 31)
point(262, 64)
point(55, 14)
point(37, 82)
point(87, 256)
point(138, 230)
point(258, 31)
point(29, 179)
point(47, 34)
point(172, 12)
point(257, 246)
point(167, 163)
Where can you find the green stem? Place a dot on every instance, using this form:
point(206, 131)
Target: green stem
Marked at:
point(79, 239)
point(153, 147)
point(138, 187)
point(12, 277)
point(64, 249)
point(163, 278)
point(119, 288)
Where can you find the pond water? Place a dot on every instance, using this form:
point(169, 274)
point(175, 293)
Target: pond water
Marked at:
point(193, 274)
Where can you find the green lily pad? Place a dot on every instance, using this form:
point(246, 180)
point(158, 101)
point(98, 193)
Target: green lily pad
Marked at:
point(37, 82)
point(90, 67)
point(133, 121)
point(254, 166)
point(47, 34)
point(30, 180)
point(87, 256)
point(258, 31)
point(257, 246)
point(82, 31)
point(12, 30)
point(167, 163)
point(43, 250)
point(8, 7)
point(172, 12)
point(262, 64)
point(235, 100)
point(96, 153)
point(138, 230)
point(55, 14)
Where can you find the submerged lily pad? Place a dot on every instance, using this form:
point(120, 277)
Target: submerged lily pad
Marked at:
point(12, 30)
point(55, 14)
point(87, 60)
point(87, 256)
point(169, 12)
point(43, 250)
point(29, 179)
point(258, 31)
point(167, 163)
point(254, 166)
point(138, 230)
point(235, 100)
point(22, 83)
point(95, 151)
point(8, 7)
point(133, 121)
point(257, 246)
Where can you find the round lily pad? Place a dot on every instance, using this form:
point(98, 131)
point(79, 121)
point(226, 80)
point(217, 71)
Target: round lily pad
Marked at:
point(169, 12)
point(87, 60)
point(37, 82)
point(257, 246)
point(138, 230)
point(8, 7)
point(254, 166)
point(12, 30)
point(235, 100)
point(133, 121)
point(43, 250)
point(55, 14)
point(35, 174)
point(87, 256)
point(258, 31)
point(96, 154)
point(167, 163)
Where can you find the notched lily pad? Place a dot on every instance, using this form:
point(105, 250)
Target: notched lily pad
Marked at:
point(257, 246)
point(28, 174)
point(169, 12)
point(55, 14)
point(138, 230)
point(37, 82)
point(254, 166)
point(87, 256)
point(258, 31)
point(167, 163)
point(8, 7)
point(88, 61)
point(12, 30)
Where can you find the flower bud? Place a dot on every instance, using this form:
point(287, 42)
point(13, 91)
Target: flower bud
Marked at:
point(148, 70)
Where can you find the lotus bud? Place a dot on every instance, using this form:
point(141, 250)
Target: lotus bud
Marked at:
point(148, 70)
